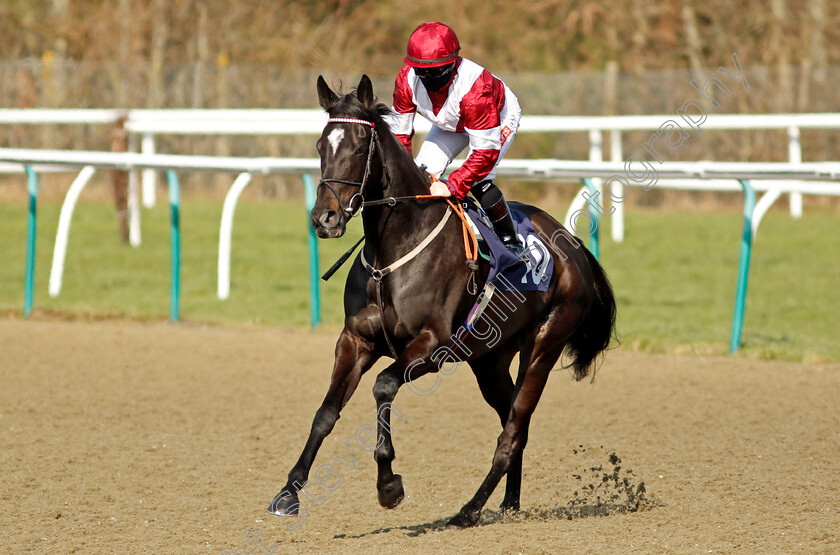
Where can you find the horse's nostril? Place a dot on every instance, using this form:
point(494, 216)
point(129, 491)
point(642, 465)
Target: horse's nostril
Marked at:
point(328, 218)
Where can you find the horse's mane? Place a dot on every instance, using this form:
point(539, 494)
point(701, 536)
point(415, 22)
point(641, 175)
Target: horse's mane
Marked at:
point(349, 105)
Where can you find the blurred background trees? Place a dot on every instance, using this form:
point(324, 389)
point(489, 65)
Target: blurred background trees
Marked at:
point(370, 35)
point(140, 43)
point(566, 57)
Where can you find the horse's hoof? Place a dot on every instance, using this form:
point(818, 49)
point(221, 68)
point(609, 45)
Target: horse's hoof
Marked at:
point(285, 503)
point(509, 507)
point(463, 520)
point(392, 493)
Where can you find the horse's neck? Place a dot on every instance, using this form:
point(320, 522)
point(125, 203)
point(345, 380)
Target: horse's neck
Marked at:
point(402, 176)
point(389, 230)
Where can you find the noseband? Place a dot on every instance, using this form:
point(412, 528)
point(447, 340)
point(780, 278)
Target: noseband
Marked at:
point(351, 210)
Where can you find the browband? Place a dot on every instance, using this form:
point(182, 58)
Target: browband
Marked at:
point(350, 120)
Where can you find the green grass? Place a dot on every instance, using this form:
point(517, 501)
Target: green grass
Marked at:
point(674, 274)
point(105, 278)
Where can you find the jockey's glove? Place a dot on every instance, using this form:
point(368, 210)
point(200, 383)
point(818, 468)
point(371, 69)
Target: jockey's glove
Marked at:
point(437, 187)
point(440, 189)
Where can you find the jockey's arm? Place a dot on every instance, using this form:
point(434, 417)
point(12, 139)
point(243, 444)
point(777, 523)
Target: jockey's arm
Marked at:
point(402, 125)
point(482, 123)
point(403, 110)
point(475, 168)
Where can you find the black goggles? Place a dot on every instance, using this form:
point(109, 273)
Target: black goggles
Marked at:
point(434, 72)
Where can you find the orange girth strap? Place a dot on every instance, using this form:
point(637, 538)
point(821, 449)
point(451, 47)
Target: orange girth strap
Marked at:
point(470, 242)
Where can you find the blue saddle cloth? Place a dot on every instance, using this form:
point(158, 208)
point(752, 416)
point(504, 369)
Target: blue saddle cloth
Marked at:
point(507, 272)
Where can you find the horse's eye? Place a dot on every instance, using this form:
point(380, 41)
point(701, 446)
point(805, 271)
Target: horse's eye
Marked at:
point(318, 145)
point(361, 150)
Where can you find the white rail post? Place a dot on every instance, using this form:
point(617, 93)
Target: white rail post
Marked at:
point(147, 146)
point(578, 203)
point(761, 208)
point(596, 154)
point(795, 156)
point(617, 221)
point(132, 174)
point(226, 231)
point(133, 198)
point(62, 235)
point(134, 237)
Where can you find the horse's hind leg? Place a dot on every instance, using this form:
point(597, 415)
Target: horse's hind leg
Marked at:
point(536, 361)
point(353, 358)
point(492, 372)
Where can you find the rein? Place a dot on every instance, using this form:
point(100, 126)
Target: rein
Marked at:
point(378, 274)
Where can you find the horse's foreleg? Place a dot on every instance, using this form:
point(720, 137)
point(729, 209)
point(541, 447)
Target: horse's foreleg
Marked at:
point(534, 370)
point(353, 357)
point(414, 360)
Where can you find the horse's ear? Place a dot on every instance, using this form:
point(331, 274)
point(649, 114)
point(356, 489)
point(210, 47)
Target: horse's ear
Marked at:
point(365, 92)
point(326, 97)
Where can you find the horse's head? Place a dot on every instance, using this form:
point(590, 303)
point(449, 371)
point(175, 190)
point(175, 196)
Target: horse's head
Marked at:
point(350, 168)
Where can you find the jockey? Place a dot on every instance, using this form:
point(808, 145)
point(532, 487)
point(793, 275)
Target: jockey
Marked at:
point(467, 105)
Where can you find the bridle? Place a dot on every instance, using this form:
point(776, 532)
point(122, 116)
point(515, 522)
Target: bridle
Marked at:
point(351, 210)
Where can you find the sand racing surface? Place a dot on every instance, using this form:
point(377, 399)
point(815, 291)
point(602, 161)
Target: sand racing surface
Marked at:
point(124, 437)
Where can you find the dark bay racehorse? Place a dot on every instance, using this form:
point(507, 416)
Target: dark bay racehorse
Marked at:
point(414, 310)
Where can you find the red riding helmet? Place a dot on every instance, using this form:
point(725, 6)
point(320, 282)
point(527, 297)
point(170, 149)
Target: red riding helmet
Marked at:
point(432, 45)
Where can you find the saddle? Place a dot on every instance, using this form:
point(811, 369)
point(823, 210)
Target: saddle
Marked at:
point(507, 272)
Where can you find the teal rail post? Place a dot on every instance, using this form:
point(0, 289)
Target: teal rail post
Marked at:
point(175, 242)
point(743, 266)
point(593, 238)
point(29, 283)
point(314, 285)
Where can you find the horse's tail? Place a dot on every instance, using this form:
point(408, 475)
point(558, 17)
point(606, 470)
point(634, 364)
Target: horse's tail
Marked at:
point(593, 335)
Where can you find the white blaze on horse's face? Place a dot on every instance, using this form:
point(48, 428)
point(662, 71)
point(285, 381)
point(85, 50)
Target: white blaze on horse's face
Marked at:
point(334, 138)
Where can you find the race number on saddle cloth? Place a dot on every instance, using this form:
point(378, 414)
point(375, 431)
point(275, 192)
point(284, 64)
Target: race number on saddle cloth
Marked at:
point(506, 271)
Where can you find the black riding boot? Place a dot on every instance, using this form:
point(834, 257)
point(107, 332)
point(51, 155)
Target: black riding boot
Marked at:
point(493, 202)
